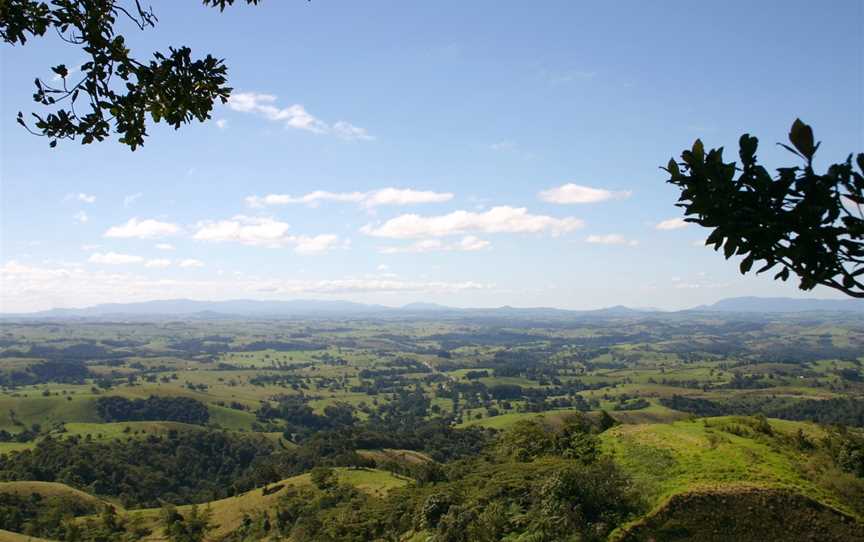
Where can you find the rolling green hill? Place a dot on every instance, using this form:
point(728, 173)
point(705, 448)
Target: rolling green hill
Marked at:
point(228, 513)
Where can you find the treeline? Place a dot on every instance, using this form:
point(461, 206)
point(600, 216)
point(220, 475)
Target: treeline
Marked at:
point(843, 411)
point(154, 408)
point(76, 352)
point(184, 467)
point(180, 467)
point(64, 372)
point(42, 516)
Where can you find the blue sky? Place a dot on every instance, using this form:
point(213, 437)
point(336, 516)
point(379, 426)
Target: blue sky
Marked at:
point(475, 153)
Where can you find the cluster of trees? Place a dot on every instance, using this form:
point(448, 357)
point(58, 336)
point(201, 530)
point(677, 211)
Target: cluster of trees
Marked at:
point(40, 516)
point(842, 410)
point(299, 420)
point(557, 490)
point(66, 372)
point(180, 467)
point(154, 408)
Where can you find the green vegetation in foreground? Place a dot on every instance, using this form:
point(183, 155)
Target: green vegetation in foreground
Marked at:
point(668, 459)
point(578, 478)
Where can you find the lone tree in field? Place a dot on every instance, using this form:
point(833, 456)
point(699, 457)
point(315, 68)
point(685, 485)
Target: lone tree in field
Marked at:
point(112, 90)
point(809, 224)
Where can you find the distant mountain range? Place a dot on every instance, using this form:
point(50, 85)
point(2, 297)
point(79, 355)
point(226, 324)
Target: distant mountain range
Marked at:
point(783, 304)
point(298, 308)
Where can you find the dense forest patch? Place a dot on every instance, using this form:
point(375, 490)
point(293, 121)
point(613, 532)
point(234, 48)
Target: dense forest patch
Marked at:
point(154, 408)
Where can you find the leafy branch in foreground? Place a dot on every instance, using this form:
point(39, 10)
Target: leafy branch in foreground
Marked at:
point(112, 90)
point(808, 223)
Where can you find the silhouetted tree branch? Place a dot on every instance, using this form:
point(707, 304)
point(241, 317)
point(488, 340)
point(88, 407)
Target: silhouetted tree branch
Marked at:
point(808, 223)
point(112, 90)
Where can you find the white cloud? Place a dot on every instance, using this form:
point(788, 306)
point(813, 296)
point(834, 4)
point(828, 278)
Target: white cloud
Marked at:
point(245, 230)
point(468, 243)
point(131, 198)
point(349, 132)
point(190, 263)
point(574, 193)
point(142, 229)
point(158, 263)
point(315, 245)
point(113, 258)
point(502, 219)
point(671, 224)
point(30, 288)
point(383, 267)
point(312, 198)
point(221, 124)
point(264, 232)
point(89, 248)
point(81, 217)
point(294, 116)
point(374, 198)
point(404, 196)
point(611, 239)
point(165, 246)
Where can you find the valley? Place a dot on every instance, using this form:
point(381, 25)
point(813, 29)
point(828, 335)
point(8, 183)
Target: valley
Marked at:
point(602, 426)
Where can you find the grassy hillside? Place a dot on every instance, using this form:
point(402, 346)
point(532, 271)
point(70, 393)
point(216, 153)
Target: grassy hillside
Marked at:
point(395, 456)
point(8, 536)
point(27, 409)
point(228, 513)
point(679, 466)
point(49, 489)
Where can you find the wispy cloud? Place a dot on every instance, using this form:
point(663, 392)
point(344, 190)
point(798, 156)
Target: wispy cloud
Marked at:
point(82, 197)
point(671, 224)
point(468, 243)
point(142, 229)
point(349, 132)
point(574, 193)
point(496, 220)
point(113, 258)
point(164, 246)
point(190, 263)
point(131, 198)
point(81, 217)
point(504, 146)
point(158, 263)
point(374, 198)
point(611, 239)
point(294, 116)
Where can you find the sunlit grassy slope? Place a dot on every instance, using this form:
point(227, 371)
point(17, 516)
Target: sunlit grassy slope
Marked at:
point(8, 536)
point(47, 489)
point(228, 513)
point(666, 459)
